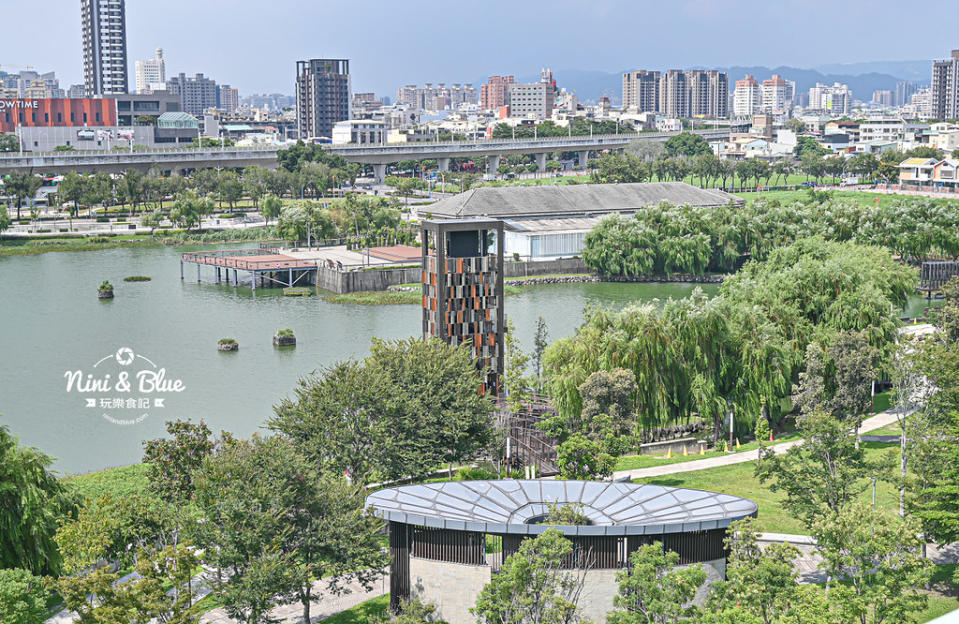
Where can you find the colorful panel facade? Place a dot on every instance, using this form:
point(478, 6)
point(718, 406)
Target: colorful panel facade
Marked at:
point(463, 290)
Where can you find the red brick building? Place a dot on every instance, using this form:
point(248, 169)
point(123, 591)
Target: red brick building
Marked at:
point(495, 92)
point(56, 112)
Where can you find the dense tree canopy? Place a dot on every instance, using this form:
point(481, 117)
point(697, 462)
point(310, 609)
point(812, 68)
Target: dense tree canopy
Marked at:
point(409, 407)
point(687, 144)
point(741, 350)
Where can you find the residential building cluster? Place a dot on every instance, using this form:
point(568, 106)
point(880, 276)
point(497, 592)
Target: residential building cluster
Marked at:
point(436, 97)
point(677, 93)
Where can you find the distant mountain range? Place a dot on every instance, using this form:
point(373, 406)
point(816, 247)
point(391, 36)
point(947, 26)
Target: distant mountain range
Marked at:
point(862, 78)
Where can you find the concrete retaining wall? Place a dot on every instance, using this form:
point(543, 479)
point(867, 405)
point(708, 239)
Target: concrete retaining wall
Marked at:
point(545, 267)
point(692, 445)
point(452, 587)
point(342, 282)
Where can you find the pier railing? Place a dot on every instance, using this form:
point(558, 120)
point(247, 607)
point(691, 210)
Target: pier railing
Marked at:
point(242, 259)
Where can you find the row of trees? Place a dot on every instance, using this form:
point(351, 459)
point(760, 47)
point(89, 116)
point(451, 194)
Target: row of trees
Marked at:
point(688, 156)
point(739, 352)
point(669, 239)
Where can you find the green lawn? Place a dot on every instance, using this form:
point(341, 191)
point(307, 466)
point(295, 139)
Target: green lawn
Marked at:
point(864, 197)
point(944, 596)
point(633, 462)
point(739, 480)
point(120, 482)
point(363, 612)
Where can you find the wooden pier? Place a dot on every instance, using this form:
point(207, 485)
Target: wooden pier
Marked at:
point(266, 264)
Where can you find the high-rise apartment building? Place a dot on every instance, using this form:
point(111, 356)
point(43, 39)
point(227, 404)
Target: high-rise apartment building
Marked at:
point(495, 92)
point(748, 97)
point(150, 72)
point(945, 87)
point(882, 97)
point(673, 94)
point(836, 99)
point(197, 93)
point(323, 96)
point(904, 91)
point(104, 46)
point(708, 93)
point(641, 90)
point(777, 95)
point(229, 99)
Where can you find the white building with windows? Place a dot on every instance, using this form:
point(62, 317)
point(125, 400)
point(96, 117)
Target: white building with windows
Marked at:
point(748, 97)
point(777, 95)
point(359, 131)
point(835, 99)
point(151, 73)
point(881, 128)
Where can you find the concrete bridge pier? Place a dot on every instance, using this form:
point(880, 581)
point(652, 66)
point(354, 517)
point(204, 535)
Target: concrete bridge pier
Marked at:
point(493, 163)
point(379, 173)
point(444, 164)
point(541, 161)
point(582, 158)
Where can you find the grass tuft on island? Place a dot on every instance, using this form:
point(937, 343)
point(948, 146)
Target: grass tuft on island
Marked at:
point(297, 291)
point(391, 297)
point(137, 278)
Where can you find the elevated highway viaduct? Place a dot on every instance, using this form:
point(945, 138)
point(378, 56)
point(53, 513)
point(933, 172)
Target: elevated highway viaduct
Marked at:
point(379, 155)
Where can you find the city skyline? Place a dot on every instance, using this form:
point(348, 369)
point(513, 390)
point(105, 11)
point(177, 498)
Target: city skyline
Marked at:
point(383, 64)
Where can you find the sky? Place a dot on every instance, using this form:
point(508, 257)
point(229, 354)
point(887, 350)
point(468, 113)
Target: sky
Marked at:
point(254, 45)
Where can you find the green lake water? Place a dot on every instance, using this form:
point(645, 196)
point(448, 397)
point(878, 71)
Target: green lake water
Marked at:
point(52, 324)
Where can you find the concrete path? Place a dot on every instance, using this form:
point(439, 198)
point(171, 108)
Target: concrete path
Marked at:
point(320, 609)
point(870, 424)
point(807, 564)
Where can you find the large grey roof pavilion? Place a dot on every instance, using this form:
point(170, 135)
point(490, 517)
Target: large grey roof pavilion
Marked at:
point(440, 533)
point(519, 202)
point(512, 506)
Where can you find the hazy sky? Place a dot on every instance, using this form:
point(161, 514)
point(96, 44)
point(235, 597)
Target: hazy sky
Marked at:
point(253, 45)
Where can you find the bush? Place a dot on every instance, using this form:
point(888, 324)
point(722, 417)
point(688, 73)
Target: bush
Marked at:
point(137, 278)
point(226, 341)
point(474, 474)
point(106, 286)
point(103, 219)
point(284, 332)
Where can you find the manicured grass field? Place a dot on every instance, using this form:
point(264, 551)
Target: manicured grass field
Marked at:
point(739, 480)
point(363, 612)
point(633, 462)
point(119, 482)
point(863, 197)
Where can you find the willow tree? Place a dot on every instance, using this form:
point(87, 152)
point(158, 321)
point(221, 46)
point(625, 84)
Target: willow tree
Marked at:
point(32, 504)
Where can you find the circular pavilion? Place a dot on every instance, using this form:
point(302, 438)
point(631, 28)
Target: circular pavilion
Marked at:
point(439, 534)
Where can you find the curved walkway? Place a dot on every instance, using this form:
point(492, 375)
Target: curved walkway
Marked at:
point(870, 424)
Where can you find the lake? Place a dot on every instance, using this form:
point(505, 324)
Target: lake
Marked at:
point(54, 331)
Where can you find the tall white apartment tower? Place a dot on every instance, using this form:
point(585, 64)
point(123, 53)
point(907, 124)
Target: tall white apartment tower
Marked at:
point(104, 47)
point(748, 97)
point(150, 72)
